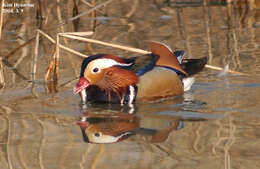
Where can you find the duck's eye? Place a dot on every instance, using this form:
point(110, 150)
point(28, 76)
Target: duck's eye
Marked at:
point(97, 134)
point(95, 70)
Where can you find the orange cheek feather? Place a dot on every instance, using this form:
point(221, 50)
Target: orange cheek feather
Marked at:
point(121, 78)
point(94, 78)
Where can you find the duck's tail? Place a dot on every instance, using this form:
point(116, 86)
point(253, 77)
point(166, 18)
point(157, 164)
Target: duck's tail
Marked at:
point(191, 67)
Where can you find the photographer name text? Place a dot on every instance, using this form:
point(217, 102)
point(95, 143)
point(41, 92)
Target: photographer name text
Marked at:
point(16, 7)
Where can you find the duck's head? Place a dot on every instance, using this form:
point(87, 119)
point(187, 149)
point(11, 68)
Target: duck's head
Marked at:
point(108, 72)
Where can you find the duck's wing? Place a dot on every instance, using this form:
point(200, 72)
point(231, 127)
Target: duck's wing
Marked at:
point(167, 57)
point(143, 64)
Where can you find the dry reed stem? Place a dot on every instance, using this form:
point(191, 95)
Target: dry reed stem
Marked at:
point(3, 128)
point(206, 18)
point(48, 13)
point(75, 12)
point(24, 51)
point(133, 9)
point(35, 57)
point(86, 3)
point(49, 69)
point(84, 13)
point(54, 64)
point(22, 56)
point(41, 9)
point(10, 66)
point(47, 36)
point(57, 56)
point(2, 79)
point(89, 11)
point(220, 69)
point(34, 63)
point(73, 51)
point(1, 17)
point(93, 15)
point(89, 5)
point(78, 33)
point(71, 60)
point(136, 50)
point(68, 82)
point(108, 44)
point(61, 46)
point(19, 47)
point(231, 23)
point(56, 59)
point(183, 30)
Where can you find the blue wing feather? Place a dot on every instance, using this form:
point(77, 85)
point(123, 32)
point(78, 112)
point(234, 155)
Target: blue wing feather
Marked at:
point(144, 64)
point(179, 54)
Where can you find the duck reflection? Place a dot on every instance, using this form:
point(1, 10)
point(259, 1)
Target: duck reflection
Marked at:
point(116, 127)
point(107, 128)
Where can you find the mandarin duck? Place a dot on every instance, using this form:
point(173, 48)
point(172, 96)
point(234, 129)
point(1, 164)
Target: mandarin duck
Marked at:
point(162, 73)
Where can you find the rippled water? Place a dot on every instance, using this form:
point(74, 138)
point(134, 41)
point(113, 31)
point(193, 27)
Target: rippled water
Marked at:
point(214, 125)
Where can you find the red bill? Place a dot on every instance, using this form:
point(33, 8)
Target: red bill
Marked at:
point(82, 84)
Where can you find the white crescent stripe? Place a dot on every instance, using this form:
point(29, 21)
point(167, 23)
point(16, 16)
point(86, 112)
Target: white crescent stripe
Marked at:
point(106, 63)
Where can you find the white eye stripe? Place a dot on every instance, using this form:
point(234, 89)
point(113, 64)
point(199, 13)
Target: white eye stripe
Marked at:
point(106, 63)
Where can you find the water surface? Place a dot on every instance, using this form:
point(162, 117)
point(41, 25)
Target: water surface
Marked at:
point(214, 125)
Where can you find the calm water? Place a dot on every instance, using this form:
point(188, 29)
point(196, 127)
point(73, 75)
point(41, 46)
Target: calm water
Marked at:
point(215, 125)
